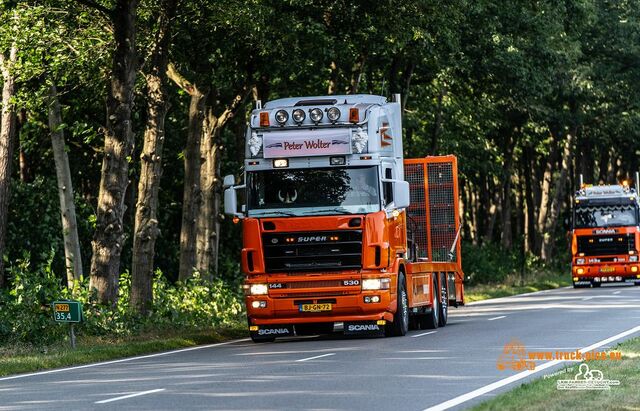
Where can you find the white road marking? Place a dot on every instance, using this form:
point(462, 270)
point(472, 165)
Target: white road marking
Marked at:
point(496, 318)
point(616, 292)
point(506, 381)
point(493, 300)
point(586, 298)
point(141, 357)
point(313, 358)
point(124, 397)
point(423, 334)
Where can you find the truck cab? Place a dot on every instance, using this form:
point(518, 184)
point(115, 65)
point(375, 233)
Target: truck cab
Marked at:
point(605, 235)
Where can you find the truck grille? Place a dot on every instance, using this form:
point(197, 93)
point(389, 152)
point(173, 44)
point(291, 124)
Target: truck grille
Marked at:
point(606, 244)
point(312, 251)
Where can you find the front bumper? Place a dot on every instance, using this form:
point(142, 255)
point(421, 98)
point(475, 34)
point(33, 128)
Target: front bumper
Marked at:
point(603, 273)
point(343, 308)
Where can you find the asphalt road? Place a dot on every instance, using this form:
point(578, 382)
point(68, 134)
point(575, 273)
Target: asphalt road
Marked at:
point(421, 370)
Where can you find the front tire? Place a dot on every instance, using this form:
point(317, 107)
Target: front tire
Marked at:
point(400, 324)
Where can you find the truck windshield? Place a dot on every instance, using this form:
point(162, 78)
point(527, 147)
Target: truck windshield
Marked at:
point(606, 216)
point(323, 191)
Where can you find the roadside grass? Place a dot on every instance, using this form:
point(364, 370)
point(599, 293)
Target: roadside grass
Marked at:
point(514, 285)
point(17, 359)
point(542, 394)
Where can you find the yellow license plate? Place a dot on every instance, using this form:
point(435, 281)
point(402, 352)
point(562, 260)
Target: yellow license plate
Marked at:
point(607, 269)
point(314, 308)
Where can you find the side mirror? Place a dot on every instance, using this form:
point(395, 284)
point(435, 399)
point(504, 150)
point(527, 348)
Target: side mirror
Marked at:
point(230, 200)
point(401, 196)
point(229, 181)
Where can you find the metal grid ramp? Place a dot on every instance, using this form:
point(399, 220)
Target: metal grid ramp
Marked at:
point(442, 210)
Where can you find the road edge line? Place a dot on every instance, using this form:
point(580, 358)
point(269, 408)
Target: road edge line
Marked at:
point(139, 357)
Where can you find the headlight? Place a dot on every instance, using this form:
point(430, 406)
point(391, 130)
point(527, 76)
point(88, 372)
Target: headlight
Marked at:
point(298, 115)
point(333, 114)
point(282, 116)
point(258, 289)
point(315, 114)
point(255, 144)
point(376, 284)
point(359, 141)
point(633, 258)
point(580, 261)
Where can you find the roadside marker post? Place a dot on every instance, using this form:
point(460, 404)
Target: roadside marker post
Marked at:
point(68, 311)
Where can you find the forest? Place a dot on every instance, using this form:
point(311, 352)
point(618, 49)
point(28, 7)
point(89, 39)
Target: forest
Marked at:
point(119, 117)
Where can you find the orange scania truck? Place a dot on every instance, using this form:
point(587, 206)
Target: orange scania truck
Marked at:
point(605, 235)
point(340, 233)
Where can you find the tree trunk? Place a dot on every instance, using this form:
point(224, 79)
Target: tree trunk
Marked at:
point(494, 209)
point(407, 76)
point(556, 203)
point(529, 218)
point(23, 162)
point(192, 191)
point(543, 209)
point(333, 78)
point(208, 223)
point(73, 258)
point(205, 222)
point(356, 74)
point(7, 131)
point(507, 231)
point(118, 148)
point(437, 125)
point(146, 230)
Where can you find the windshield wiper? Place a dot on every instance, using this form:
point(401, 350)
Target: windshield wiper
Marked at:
point(277, 212)
point(337, 210)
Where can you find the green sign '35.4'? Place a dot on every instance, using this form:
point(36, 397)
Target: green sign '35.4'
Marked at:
point(67, 311)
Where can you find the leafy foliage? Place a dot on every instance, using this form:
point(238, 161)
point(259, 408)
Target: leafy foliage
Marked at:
point(28, 316)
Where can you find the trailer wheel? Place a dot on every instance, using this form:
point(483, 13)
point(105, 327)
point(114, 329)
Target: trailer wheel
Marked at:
point(444, 301)
point(431, 320)
point(400, 324)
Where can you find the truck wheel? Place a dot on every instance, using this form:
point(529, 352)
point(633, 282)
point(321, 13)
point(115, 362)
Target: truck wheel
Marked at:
point(444, 301)
point(432, 319)
point(595, 285)
point(400, 324)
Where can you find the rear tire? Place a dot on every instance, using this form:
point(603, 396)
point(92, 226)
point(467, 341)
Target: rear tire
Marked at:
point(595, 285)
point(444, 301)
point(400, 324)
point(432, 319)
